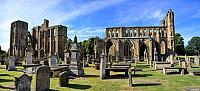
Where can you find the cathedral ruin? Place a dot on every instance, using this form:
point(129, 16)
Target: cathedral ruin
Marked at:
point(141, 43)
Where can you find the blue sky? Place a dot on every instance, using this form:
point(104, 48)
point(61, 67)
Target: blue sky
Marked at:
point(89, 18)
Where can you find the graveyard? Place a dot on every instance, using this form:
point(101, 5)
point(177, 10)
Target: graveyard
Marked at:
point(91, 81)
point(99, 45)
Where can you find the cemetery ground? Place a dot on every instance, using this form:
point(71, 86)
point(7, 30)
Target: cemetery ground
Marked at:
point(142, 81)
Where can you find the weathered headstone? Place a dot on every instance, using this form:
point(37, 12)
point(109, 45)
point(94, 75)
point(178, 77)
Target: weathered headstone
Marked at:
point(88, 58)
point(103, 66)
point(11, 63)
point(23, 83)
point(75, 65)
point(53, 61)
point(130, 83)
point(196, 60)
point(43, 78)
point(29, 57)
point(64, 79)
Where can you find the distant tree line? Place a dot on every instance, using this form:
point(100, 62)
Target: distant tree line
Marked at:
point(193, 47)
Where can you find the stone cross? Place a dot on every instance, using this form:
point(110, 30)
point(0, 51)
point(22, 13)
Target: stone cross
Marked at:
point(23, 83)
point(11, 64)
point(43, 78)
point(64, 79)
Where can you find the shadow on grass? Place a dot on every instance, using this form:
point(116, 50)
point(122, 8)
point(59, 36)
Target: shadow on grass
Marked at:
point(52, 90)
point(5, 80)
point(4, 87)
point(141, 75)
point(4, 75)
point(78, 86)
point(147, 84)
point(91, 76)
point(118, 76)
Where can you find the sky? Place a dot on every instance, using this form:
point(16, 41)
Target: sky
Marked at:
point(89, 18)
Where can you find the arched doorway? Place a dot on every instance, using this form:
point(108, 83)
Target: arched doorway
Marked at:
point(110, 50)
point(127, 49)
point(143, 52)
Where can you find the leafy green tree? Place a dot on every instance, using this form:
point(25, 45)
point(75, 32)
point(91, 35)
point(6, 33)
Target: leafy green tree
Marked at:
point(179, 44)
point(69, 41)
point(75, 39)
point(193, 46)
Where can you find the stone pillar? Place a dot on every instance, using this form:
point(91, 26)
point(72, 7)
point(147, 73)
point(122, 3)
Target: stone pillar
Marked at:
point(158, 35)
point(130, 77)
point(103, 66)
point(137, 32)
point(153, 32)
point(114, 32)
point(142, 35)
point(150, 53)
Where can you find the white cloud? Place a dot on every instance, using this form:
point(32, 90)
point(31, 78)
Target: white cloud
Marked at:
point(197, 14)
point(34, 11)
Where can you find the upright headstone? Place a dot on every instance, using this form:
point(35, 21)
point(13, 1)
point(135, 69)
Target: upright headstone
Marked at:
point(64, 79)
point(29, 54)
point(23, 83)
point(196, 60)
point(103, 66)
point(75, 65)
point(88, 58)
point(29, 57)
point(11, 63)
point(53, 61)
point(43, 78)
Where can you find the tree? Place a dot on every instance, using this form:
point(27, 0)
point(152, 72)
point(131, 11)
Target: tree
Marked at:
point(179, 44)
point(75, 39)
point(69, 41)
point(193, 46)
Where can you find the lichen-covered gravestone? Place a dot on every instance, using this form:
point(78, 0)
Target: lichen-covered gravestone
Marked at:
point(23, 83)
point(11, 64)
point(53, 61)
point(64, 79)
point(43, 78)
point(76, 67)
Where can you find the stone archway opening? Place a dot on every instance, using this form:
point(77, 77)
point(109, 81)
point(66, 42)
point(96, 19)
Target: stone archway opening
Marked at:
point(110, 50)
point(127, 50)
point(143, 52)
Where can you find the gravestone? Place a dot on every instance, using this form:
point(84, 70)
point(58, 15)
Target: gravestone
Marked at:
point(53, 61)
point(29, 57)
point(43, 78)
point(103, 66)
point(23, 83)
point(11, 63)
point(196, 60)
point(46, 59)
point(64, 79)
point(75, 67)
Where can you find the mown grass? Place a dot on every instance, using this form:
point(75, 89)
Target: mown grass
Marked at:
point(91, 81)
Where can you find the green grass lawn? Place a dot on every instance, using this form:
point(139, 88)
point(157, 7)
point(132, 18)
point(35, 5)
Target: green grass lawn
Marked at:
point(92, 82)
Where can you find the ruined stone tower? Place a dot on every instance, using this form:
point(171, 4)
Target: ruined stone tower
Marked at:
point(18, 38)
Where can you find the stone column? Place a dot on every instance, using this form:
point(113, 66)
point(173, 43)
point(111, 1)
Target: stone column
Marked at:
point(142, 35)
point(129, 33)
point(137, 32)
point(150, 53)
point(153, 32)
point(114, 32)
point(158, 35)
point(103, 66)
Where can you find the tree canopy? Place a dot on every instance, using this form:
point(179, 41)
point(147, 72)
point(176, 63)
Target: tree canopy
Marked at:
point(179, 44)
point(193, 46)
